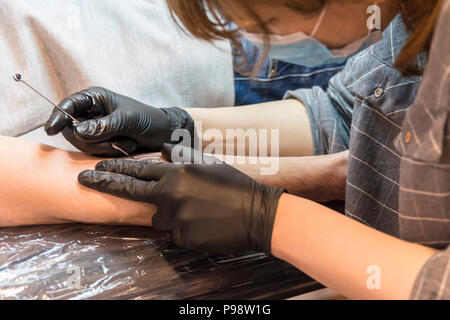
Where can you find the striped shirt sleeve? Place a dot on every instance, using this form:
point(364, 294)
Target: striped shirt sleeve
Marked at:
point(433, 282)
point(425, 168)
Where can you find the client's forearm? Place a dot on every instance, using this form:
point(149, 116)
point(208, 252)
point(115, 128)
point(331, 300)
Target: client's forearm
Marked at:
point(40, 186)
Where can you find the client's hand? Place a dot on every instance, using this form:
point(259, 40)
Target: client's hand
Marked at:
point(210, 208)
point(108, 117)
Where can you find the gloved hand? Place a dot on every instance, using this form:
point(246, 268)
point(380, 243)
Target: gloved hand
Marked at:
point(208, 208)
point(108, 117)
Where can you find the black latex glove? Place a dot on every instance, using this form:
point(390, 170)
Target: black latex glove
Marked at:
point(208, 208)
point(108, 117)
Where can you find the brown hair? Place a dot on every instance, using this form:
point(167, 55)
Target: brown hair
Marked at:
point(206, 19)
point(420, 17)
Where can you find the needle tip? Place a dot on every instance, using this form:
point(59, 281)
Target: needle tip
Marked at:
point(17, 77)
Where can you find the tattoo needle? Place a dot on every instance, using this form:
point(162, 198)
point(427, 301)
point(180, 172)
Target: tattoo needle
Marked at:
point(18, 78)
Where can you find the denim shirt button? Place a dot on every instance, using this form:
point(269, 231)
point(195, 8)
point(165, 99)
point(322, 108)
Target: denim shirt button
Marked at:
point(273, 73)
point(379, 92)
point(408, 137)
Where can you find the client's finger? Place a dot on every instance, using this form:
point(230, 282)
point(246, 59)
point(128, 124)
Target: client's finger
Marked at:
point(144, 170)
point(118, 185)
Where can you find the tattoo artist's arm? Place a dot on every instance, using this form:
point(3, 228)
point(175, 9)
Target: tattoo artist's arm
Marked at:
point(338, 251)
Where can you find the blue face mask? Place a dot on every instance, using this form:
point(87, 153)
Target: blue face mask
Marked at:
point(301, 49)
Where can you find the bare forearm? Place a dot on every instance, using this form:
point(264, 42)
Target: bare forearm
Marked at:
point(288, 116)
point(337, 251)
point(320, 178)
point(40, 186)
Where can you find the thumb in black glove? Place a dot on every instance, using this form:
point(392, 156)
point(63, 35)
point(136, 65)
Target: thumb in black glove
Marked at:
point(208, 208)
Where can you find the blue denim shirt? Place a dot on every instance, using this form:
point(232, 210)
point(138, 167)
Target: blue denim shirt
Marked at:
point(275, 77)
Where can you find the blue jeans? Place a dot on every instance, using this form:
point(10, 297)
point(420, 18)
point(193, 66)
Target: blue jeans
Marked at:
point(275, 78)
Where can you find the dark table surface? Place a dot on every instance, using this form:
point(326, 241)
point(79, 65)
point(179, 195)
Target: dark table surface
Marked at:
point(97, 262)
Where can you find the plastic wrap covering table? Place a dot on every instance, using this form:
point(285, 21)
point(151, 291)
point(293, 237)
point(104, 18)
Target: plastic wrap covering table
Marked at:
point(98, 262)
